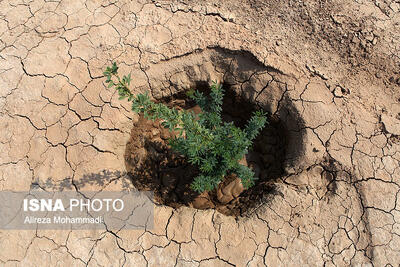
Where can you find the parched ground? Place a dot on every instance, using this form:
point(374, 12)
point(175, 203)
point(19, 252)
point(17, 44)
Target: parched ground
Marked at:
point(329, 69)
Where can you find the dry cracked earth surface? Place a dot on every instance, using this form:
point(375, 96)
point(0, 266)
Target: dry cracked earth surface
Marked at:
point(329, 69)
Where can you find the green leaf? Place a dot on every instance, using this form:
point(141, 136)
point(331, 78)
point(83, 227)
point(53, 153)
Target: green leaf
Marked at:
point(114, 68)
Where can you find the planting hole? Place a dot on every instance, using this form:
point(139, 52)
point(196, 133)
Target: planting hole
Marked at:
point(152, 165)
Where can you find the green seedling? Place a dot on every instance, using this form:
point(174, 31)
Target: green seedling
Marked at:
point(214, 146)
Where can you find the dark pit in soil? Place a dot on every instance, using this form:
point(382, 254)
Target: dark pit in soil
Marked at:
point(152, 165)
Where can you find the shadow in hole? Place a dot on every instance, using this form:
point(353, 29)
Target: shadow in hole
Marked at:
point(161, 170)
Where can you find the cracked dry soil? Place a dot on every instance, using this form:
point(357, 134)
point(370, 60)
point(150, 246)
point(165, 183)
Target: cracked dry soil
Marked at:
point(329, 70)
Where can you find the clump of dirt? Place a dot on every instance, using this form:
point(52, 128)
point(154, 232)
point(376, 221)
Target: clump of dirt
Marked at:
point(152, 165)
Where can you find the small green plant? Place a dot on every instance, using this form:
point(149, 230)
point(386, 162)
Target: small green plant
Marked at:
point(214, 146)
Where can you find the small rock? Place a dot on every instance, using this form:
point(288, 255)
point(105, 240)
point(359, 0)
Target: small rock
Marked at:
point(227, 193)
point(224, 199)
point(202, 201)
point(237, 188)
